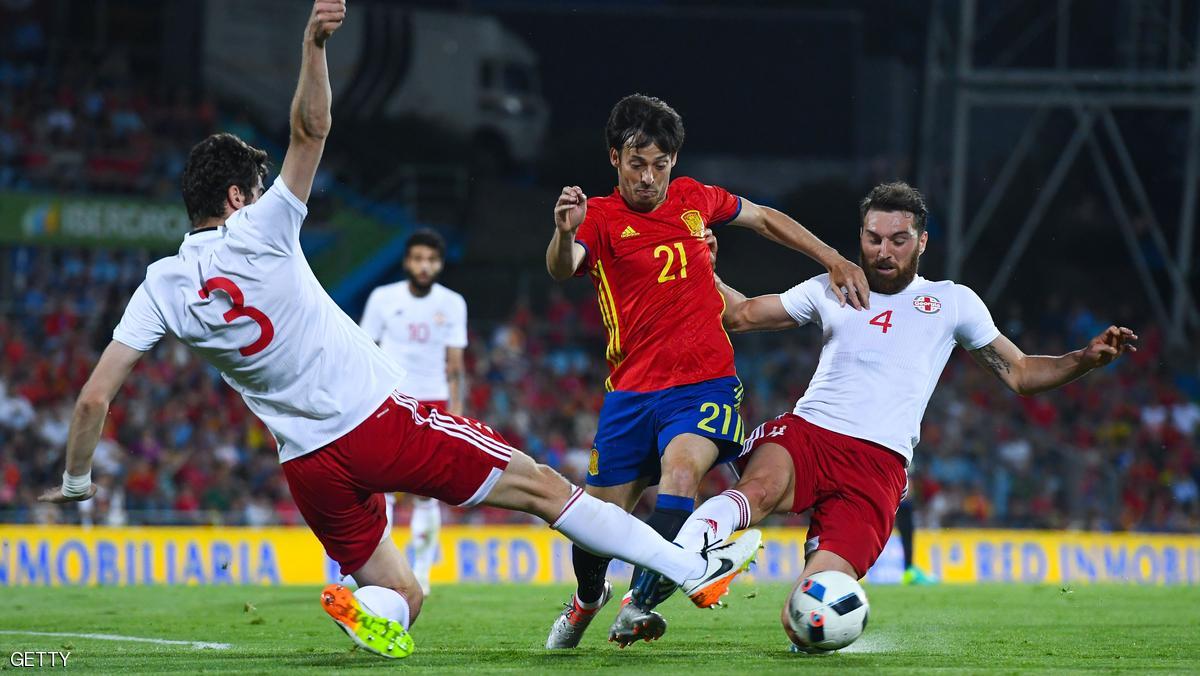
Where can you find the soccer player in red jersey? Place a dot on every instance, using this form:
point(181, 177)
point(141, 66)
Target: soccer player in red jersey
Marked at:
point(671, 412)
point(850, 469)
point(242, 295)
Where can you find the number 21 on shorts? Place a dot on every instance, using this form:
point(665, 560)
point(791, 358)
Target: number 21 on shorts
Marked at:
point(714, 412)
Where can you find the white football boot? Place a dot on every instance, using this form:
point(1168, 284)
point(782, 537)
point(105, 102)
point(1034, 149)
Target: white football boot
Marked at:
point(568, 628)
point(725, 562)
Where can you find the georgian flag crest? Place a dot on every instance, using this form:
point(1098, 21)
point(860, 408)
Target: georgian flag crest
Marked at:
point(927, 304)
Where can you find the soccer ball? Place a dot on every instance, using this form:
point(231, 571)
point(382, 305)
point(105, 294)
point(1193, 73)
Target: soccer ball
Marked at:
point(827, 611)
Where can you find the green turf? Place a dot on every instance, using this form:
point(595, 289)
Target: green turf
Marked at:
point(501, 629)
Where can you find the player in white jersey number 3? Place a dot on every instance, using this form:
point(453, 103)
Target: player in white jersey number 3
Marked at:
point(422, 325)
point(843, 451)
point(241, 295)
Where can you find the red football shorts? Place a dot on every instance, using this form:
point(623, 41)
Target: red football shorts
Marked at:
point(402, 446)
point(853, 487)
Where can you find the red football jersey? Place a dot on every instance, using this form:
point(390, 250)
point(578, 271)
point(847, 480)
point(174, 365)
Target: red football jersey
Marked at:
point(655, 286)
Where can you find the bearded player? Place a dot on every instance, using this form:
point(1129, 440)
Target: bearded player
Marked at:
point(242, 296)
point(850, 468)
point(671, 411)
point(422, 325)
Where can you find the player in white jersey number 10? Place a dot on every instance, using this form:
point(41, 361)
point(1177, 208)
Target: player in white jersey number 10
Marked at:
point(844, 450)
point(422, 325)
point(241, 294)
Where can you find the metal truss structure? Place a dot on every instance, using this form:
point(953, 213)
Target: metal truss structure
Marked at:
point(1157, 69)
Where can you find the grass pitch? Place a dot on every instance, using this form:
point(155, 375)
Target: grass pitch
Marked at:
point(502, 629)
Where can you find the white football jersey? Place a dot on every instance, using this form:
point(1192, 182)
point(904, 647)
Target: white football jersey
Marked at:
point(878, 367)
point(415, 331)
point(245, 299)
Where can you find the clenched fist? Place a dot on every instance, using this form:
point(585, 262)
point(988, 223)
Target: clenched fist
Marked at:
point(327, 17)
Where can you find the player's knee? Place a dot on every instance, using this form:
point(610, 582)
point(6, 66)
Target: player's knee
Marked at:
point(762, 493)
point(530, 487)
point(552, 490)
point(679, 477)
point(545, 491)
point(415, 598)
point(822, 560)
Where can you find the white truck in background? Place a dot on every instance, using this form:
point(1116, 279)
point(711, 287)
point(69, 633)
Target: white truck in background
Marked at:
point(464, 72)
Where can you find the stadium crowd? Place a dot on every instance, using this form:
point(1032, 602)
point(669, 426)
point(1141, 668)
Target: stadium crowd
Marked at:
point(74, 120)
point(1117, 450)
point(93, 132)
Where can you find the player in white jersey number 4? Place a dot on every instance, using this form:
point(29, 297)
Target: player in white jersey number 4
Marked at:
point(844, 450)
point(241, 294)
point(422, 325)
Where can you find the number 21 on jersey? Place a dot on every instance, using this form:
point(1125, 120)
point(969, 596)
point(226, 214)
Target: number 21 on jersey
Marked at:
point(667, 274)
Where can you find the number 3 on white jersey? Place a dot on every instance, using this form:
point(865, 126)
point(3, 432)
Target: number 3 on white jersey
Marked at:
point(240, 309)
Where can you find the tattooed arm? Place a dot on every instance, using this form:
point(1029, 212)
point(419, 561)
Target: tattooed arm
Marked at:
point(1030, 374)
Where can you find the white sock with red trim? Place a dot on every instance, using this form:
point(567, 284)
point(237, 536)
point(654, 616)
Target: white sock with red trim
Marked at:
point(607, 530)
point(589, 606)
point(718, 517)
point(384, 602)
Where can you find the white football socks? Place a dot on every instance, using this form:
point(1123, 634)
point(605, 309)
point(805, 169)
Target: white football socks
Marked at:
point(426, 522)
point(384, 602)
point(718, 517)
point(607, 530)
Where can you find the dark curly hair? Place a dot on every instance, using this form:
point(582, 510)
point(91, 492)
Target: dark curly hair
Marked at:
point(217, 162)
point(895, 196)
point(426, 237)
point(639, 120)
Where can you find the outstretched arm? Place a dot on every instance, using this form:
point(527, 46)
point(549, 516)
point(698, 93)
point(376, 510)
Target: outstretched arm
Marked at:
point(310, 116)
point(762, 313)
point(1031, 374)
point(783, 229)
point(88, 421)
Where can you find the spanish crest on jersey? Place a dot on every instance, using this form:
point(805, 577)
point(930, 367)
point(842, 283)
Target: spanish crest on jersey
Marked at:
point(694, 221)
